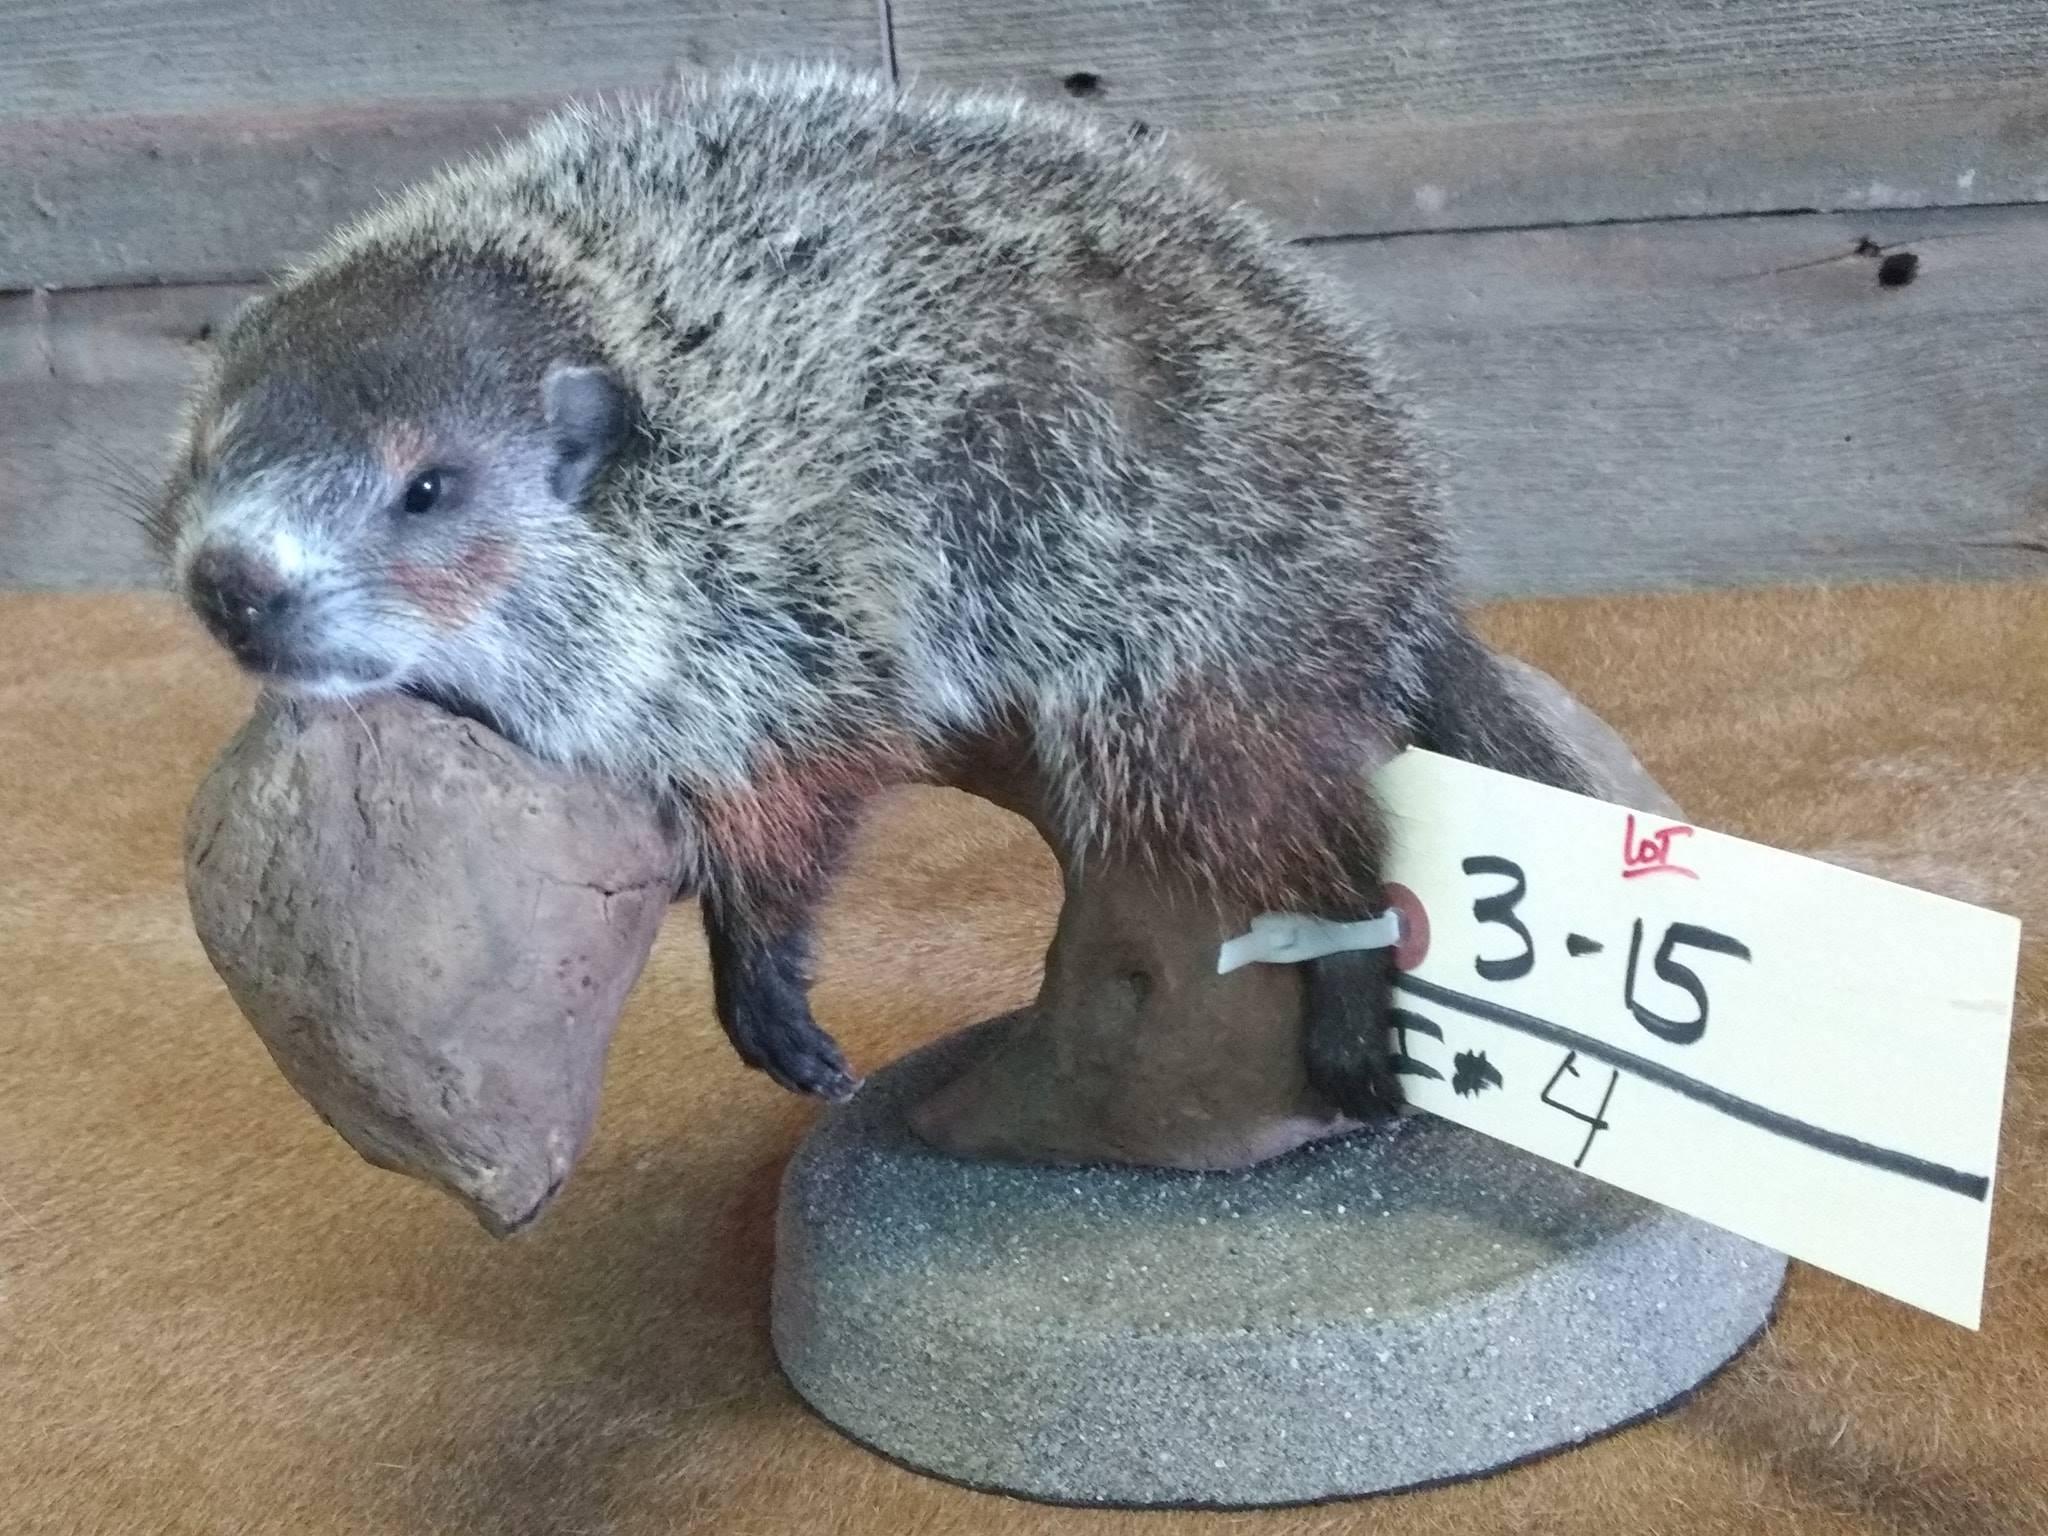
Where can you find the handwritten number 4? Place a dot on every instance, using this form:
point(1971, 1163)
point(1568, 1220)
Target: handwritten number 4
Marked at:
point(1596, 1122)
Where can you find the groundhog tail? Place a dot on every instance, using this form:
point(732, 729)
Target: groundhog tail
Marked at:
point(1474, 713)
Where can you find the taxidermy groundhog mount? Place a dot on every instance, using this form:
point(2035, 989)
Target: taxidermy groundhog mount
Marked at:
point(788, 438)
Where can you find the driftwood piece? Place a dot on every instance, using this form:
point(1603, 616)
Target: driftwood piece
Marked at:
point(432, 933)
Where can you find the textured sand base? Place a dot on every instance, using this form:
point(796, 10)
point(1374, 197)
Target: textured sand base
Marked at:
point(1404, 1306)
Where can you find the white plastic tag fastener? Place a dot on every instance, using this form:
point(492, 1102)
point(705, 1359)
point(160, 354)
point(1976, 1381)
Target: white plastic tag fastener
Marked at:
point(1288, 938)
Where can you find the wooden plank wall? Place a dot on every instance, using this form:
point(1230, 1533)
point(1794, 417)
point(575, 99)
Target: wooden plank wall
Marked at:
point(144, 140)
point(1549, 206)
point(1368, 116)
point(1721, 403)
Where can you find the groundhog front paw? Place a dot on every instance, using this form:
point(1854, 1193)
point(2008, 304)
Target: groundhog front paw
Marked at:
point(769, 1022)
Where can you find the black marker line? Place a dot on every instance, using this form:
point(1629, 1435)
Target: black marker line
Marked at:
point(1975, 1185)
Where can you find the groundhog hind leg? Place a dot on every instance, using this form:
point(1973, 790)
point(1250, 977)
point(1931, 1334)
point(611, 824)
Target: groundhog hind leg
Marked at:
point(1348, 1039)
point(758, 921)
point(1348, 997)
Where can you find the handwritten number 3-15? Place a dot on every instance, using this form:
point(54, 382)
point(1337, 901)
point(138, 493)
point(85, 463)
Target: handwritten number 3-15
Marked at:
point(1498, 910)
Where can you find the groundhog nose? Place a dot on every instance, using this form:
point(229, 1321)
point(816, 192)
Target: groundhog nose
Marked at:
point(241, 599)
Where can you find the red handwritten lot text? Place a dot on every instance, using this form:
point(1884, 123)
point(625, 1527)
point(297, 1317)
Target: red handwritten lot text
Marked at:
point(1650, 854)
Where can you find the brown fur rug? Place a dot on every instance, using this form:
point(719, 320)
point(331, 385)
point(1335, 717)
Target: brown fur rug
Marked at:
point(214, 1319)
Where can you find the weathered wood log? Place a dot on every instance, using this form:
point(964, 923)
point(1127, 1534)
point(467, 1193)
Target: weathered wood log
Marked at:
point(432, 932)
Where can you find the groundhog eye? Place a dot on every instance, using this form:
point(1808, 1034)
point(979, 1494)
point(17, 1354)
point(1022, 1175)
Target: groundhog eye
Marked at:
point(425, 491)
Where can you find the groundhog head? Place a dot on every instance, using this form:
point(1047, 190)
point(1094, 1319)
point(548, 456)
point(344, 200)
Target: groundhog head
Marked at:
point(375, 467)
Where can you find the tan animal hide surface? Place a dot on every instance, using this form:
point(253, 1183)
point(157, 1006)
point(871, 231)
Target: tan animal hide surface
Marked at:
point(214, 1318)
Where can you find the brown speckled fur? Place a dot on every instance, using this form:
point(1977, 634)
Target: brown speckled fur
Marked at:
point(214, 1319)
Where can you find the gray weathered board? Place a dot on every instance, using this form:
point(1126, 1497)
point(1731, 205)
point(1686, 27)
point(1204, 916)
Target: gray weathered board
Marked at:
point(196, 139)
point(1360, 116)
point(1663, 405)
point(1621, 407)
point(207, 139)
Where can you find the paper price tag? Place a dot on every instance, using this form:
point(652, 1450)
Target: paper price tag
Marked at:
point(1802, 1054)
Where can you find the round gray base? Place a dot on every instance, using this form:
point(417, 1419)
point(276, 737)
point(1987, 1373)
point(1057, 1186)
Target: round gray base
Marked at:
point(1401, 1306)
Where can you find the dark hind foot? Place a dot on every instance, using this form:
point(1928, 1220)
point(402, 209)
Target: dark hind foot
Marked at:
point(1348, 1038)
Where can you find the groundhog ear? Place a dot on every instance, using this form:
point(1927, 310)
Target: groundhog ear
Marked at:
point(589, 414)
